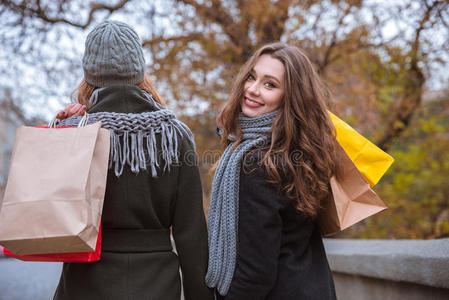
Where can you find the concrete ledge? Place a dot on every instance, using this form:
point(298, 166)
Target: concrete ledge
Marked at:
point(424, 262)
point(354, 287)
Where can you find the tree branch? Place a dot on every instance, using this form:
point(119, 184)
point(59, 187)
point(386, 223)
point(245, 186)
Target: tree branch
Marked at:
point(327, 54)
point(26, 9)
point(275, 26)
point(181, 38)
point(413, 88)
point(215, 13)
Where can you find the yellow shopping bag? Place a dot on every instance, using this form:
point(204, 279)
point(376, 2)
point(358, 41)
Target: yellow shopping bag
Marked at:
point(369, 159)
point(352, 199)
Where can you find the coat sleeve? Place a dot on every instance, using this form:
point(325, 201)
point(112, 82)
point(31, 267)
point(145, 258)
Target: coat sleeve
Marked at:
point(189, 227)
point(259, 237)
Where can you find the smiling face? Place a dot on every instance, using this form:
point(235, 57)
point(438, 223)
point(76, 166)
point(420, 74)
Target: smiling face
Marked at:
point(264, 87)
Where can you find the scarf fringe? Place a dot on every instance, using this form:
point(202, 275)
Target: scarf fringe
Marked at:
point(133, 137)
point(139, 150)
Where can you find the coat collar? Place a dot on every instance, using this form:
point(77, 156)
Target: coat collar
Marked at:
point(122, 99)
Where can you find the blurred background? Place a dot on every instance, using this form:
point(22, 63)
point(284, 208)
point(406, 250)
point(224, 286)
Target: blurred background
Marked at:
point(385, 62)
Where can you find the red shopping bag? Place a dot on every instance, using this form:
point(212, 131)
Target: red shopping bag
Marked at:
point(62, 257)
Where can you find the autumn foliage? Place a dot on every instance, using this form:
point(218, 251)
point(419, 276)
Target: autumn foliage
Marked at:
point(381, 78)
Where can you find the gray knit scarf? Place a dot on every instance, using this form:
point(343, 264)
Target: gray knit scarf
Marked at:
point(134, 134)
point(224, 204)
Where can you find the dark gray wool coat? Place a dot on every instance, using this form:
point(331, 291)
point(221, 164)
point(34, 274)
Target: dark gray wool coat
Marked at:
point(280, 253)
point(137, 261)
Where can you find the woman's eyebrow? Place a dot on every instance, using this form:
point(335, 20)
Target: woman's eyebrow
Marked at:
point(272, 77)
point(252, 71)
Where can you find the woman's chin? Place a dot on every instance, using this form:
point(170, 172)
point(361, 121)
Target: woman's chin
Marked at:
point(249, 112)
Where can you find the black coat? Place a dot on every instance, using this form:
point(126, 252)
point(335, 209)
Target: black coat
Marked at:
point(137, 261)
point(280, 252)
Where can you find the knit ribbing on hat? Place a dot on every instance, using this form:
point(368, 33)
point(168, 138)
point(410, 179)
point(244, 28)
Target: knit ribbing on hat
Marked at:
point(113, 55)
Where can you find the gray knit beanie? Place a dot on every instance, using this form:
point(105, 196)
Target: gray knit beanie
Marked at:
point(113, 55)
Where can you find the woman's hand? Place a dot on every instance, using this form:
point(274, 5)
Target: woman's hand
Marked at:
point(73, 109)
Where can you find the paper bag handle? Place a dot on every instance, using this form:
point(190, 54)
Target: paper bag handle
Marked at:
point(83, 121)
point(52, 123)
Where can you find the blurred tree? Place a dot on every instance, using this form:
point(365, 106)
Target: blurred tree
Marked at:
point(207, 41)
point(11, 116)
point(416, 187)
point(11, 111)
point(375, 56)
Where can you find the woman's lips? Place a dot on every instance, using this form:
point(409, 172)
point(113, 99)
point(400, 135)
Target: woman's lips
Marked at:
point(251, 103)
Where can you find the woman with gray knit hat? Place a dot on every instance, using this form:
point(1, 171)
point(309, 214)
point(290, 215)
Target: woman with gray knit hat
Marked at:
point(152, 183)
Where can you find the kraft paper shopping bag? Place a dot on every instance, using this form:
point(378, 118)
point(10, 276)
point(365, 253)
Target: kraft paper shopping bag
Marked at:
point(72, 257)
point(55, 190)
point(352, 200)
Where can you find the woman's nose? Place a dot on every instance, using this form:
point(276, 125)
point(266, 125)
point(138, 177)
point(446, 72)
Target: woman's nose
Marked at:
point(254, 88)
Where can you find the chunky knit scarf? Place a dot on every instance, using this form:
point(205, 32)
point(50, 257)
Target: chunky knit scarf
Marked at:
point(134, 134)
point(224, 204)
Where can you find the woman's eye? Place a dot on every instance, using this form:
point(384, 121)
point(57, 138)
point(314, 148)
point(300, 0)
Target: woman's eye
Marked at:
point(250, 77)
point(269, 85)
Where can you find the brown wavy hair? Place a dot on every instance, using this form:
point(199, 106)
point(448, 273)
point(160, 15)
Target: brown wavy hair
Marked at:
point(85, 90)
point(303, 154)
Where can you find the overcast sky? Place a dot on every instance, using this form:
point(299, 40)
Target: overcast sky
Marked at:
point(26, 73)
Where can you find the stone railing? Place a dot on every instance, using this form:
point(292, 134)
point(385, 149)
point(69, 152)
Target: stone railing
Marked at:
point(389, 269)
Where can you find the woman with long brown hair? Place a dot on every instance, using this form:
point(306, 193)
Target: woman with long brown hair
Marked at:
point(279, 154)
